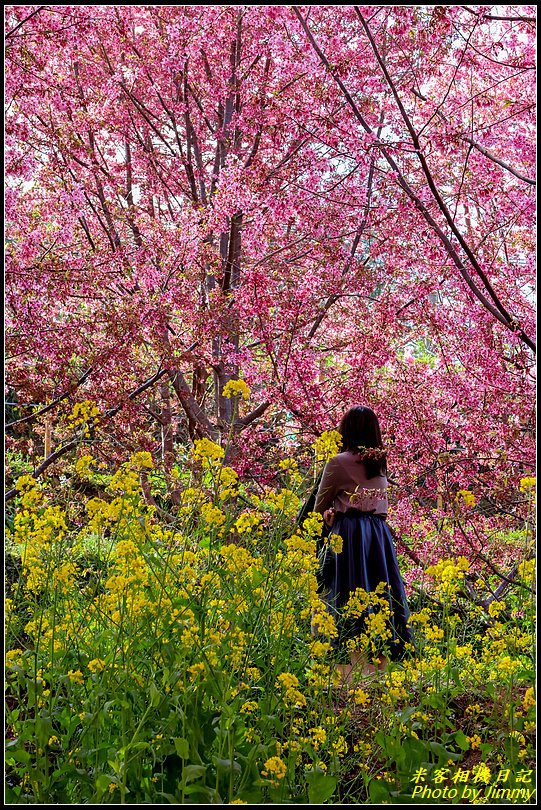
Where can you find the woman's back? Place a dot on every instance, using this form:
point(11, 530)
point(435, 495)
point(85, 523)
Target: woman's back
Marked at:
point(345, 485)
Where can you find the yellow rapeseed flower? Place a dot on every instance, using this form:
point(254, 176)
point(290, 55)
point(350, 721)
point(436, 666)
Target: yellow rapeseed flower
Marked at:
point(82, 413)
point(361, 698)
point(142, 459)
point(336, 543)
point(14, 658)
point(327, 445)
point(496, 607)
point(249, 706)
point(208, 452)
point(527, 570)
point(528, 483)
point(466, 498)
point(275, 769)
point(236, 388)
point(96, 665)
point(318, 736)
point(25, 483)
point(528, 701)
point(83, 465)
point(213, 516)
point(247, 522)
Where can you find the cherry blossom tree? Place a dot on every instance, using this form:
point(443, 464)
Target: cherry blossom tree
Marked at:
point(334, 203)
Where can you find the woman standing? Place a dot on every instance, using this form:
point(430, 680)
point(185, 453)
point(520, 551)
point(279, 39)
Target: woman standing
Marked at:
point(352, 497)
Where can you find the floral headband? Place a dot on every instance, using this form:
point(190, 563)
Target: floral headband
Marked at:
point(372, 453)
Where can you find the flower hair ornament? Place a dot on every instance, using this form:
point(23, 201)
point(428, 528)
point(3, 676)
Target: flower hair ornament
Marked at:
point(372, 453)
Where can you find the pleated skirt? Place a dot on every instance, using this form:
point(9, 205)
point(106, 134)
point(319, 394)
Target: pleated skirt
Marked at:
point(366, 559)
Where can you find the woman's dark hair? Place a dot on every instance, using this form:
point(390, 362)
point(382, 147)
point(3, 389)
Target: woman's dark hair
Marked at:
point(359, 428)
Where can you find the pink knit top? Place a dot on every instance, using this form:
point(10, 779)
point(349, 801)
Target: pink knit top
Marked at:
point(344, 486)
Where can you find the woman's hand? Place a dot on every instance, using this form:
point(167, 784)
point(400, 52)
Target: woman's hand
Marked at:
point(328, 517)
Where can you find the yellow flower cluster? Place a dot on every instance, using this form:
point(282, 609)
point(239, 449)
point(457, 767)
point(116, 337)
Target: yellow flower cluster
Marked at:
point(374, 609)
point(421, 617)
point(213, 517)
point(299, 546)
point(448, 576)
point(247, 522)
point(227, 482)
point(283, 501)
point(433, 632)
point(528, 701)
point(291, 468)
point(360, 698)
point(64, 577)
point(31, 495)
point(275, 770)
point(283, 624)
point(291, 695)
point(83, 465)
point(237, 559)
point(120, 511)
point(125, 481)
point(142, 459)
point(313, 525)
point(466, 498)
point(322, 621)
point(336, 543)
point(496, 607)
point(327, 445)
point(528, 483)
point(208, 453)
point(249, 707)
point(507, 666)
point(236, 388)
point(26, 483)
point(527, 570)
point(82, 413)
point(318, 737)
point(36, 533)
point(474, 741)
point(96, 665)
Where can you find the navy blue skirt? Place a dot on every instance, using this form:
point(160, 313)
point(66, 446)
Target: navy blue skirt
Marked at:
point(367, 558)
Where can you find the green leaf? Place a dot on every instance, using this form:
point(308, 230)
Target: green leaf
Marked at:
point(103, 780)
point(192, 772)
point(155, 696)
point(321, 786)
point(461, 740)
point(225, 765)
point(379, 791)
point(44, 730)
point(405, 714)
point(442, 752)
point(182, 747)
point(169, 796)
point(17, 755)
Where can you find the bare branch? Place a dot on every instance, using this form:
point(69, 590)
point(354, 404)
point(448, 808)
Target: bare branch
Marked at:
point(52, 404)
point(419, 204)
point(36, 11)
point(498, 17)
point(98, 420)
point(253, 415)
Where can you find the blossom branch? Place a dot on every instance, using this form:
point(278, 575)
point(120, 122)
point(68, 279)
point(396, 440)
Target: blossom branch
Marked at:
point(421, 207)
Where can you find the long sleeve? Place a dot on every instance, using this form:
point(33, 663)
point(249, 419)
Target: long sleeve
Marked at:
point(328, 487)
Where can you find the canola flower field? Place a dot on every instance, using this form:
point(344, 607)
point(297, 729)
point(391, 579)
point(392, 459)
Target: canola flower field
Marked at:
point(187, 659)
